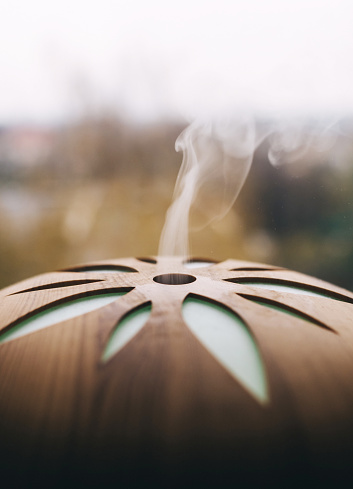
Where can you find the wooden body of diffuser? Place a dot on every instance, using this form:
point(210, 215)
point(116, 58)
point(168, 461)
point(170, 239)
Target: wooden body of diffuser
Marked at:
point(163, 409)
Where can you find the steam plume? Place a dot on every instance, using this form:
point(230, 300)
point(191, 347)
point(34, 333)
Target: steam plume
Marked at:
point(217, 156)
point(290, 141)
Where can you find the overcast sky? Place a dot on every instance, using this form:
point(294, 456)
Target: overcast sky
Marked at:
point(151, 58)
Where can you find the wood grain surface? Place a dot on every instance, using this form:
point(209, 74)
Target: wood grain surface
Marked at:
point(163, 412)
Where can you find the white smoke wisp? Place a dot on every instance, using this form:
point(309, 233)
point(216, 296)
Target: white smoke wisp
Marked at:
point(217, 157)
point(292, 140)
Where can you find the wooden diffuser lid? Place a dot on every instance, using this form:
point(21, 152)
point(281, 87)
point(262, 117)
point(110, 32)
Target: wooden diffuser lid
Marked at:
point(172, 373)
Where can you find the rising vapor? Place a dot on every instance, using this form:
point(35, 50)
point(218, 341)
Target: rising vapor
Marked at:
point(217, 157)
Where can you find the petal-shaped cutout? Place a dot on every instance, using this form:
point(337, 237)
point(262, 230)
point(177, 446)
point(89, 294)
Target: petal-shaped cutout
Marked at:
point(126, 329)
point(57, 285)
point(253, 269)
point(229, 340)
point(103, 268)
point(148, 260)
point(195, 263)
point(291, 311)
point(291, 287)
point(58, 313)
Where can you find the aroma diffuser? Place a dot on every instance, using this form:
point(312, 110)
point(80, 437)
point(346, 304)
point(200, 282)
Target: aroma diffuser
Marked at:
point(175, 373)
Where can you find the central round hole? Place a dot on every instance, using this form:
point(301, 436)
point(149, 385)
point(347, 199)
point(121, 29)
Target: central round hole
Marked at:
point(174, 279)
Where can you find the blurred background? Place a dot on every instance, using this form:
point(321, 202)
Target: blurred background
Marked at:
point(93, 95)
